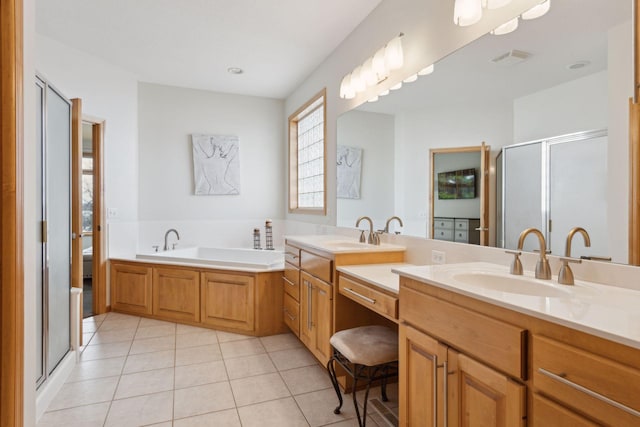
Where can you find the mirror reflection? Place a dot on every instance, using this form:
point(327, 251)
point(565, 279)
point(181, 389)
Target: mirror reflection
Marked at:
point(565, 73)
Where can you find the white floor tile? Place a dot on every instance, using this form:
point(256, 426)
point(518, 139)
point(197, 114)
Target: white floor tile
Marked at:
point(82, 416)
point(194, 355)
point(196, 339)
point(247, 347)
point(276, 413)
point(290, 359)
point(203, 399)
point(156, 331)
point(258, 389)
point(84, 393)
point(227, 418)
point(306, 379)
point(97, 369)
point(149, 361)
point(241, 367)
point(204, 373)
point(141, 410)
point(104, 351)
point(149, 345)
point(147, 382)
point(318, 407)
point(280, 342)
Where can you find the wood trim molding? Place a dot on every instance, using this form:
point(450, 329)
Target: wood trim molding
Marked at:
point(11, 215)
point(634, 147)
point(76, 196)
point(99, 272)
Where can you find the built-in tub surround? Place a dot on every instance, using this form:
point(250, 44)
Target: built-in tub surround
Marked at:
point(223, 258)
point(608, 312)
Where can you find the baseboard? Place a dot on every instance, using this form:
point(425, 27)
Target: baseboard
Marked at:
point(50, 388)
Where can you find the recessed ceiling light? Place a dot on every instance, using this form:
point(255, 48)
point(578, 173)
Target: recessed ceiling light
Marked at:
point(578, 64)
point(235, 70)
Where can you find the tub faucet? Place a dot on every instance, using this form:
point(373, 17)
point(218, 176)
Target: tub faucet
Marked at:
point(166, 238)
point(374, 238)
point(565, 276)
point(386, 227)
point(543, 271)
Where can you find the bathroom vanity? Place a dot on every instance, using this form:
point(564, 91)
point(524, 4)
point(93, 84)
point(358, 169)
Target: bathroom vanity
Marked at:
point(536, 354)
point(247, 302)
point(313, 308)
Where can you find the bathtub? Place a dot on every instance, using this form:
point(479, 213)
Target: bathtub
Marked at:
point(220, 257)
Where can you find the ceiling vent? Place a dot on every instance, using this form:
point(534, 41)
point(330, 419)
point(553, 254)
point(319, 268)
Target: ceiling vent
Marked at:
point(511, 58)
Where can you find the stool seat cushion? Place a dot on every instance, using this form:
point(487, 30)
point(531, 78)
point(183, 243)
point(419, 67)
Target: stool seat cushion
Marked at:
point(367, 345)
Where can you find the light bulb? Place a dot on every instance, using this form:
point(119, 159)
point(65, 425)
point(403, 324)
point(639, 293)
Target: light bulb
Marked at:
point(368, 75)
point(346, 89)
point(384, 93)
point(412, 78)
point(467, 12)
point(374, 99)
point(495, 4)
point(396, 86)
point(357, 82)
point(506, 28)
point(379, 66)
point(393, 56)
point(426, 70)
point(537, 11)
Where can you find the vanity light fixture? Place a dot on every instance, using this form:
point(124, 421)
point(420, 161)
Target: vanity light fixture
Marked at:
point(467, 12)
point(374, 70)
point(426, 70)
point(412, 78)
point(537, 11)
point(494, 4)
point(506, 28)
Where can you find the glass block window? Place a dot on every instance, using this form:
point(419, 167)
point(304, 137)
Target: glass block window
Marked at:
point(307, 157)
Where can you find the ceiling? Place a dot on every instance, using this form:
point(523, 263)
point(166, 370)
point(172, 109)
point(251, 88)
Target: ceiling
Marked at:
point(192, 43)
point(573, 30)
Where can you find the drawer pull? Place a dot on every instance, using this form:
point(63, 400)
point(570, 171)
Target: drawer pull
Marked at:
point(367, 299)
point(289, 315)
point(288, 282)
point(293, 255)
point(591, 393)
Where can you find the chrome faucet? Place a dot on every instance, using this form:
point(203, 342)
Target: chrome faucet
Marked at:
point(374, 239)
point(543, 271)
point(565, 276)
point(386, 226)
point(166, 238)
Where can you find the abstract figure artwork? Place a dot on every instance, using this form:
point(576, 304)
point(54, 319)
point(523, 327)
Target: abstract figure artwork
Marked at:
point(216, 164)
point(349, 168)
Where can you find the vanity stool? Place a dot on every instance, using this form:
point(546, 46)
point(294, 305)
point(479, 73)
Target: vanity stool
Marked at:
point(366, 353)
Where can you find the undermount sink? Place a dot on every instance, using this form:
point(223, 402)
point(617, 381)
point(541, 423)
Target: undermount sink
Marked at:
point(342, 245)
point(510, 284)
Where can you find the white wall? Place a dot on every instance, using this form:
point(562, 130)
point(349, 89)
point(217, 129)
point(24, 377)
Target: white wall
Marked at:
point(419, 131)
point(108, 93)
point(374, 133)
point(620, 63)
point(576, 106)
point(430, 34)
point(167, 118)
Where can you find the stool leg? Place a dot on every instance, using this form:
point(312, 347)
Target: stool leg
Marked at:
point(355, 401)
point(383, 387)
point(334, 380)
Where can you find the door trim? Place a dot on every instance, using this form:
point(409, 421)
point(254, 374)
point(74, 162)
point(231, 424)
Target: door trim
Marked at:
point(11, 215)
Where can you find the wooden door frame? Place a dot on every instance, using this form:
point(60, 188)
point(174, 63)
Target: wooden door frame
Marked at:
point(634, 146)
point(484, 151)
point(11, 214)
point(99, 264)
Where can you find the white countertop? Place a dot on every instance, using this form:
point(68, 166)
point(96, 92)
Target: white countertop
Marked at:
point(380, 275)
point(606, 311)
point(337, 244)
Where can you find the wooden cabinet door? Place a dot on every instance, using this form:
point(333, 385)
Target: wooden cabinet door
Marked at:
point(227, 300)
point(131, 288)
point(176, 294)
point(480, 396)
point(307, 332)
point(421, 360)
point(546, 413)
point(322, 310)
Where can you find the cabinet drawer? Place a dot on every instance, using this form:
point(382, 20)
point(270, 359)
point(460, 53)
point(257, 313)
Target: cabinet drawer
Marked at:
point(445, 223)
point(546, 413)
point(440, 234)
point(599, 387)
point(497, 343)
point(291, 280)
point(369, 297)
point(292, 255)
point(317, 266)
point(292, 314)
point(461, 236)
point(462, 224)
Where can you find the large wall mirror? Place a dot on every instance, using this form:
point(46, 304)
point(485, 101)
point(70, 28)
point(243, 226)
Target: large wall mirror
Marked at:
point(567, 72)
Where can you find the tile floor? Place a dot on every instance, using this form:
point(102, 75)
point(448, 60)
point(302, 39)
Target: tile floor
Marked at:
point(141, 372)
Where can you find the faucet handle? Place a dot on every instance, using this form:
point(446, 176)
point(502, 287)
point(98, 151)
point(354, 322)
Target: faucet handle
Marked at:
point(362, 238)
point(516, 265)
point(155, 248)
point(565, 276)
